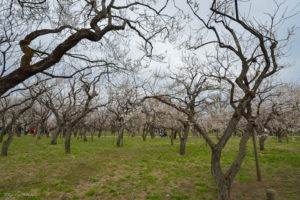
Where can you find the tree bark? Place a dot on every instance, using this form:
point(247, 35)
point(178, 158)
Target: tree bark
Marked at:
point(68, 141)
point(152, 133)
point(54, 136)
point(183, 139)
point(262, 140)
point(172, 137)
point(38, 133)
point(1, 136)
point(85, 138)
point(279, 135)
point(99, 133)
point(92, 135)
point(114, 136)
point(120, 136)
point(7, 143)
point(38, 137)
point(225, 190)
point(144, 135)
point(194, 132)
point(224, 181)
point(258, 173)
point(26, 70)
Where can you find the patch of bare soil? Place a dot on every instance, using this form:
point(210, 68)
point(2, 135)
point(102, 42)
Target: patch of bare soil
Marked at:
point(286, 187)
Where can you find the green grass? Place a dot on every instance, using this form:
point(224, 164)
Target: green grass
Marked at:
point(141, 170)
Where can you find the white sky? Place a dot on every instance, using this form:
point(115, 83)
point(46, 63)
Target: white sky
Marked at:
point(258, 10)
point(291, 74)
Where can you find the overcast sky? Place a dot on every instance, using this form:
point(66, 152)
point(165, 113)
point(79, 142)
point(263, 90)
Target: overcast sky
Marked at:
point(258, 9)
point(293, 73)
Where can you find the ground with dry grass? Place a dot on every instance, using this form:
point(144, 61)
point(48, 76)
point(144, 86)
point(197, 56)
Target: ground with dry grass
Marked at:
point(141, 170)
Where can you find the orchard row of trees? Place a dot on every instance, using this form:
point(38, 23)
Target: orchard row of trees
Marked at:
point(72, 67)
point(79, 107)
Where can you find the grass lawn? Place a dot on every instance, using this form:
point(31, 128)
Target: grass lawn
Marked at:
point(141, 170)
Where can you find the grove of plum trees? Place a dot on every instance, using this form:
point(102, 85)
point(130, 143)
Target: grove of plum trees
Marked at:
point(77, 67)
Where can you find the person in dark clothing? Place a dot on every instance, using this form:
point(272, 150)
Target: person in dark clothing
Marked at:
point(64, 132)
point(165, 134)
point(234, 132)
point(19, 131)
point(46, 132)
point(26, 131)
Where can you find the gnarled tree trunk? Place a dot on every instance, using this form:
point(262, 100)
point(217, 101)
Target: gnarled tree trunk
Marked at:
point(68, 140)
point(223, 183)
point(258, 173)
point(145, 132)
point(224, 180)
point(183, 139)
point(38, 133)
point(92, 135)
point(54, 135)
point(120, 136)
point(84, 136)
point(152, 133)
point(172, 137)
point(99, 133)
point(7, 143)
point(1, 136)
point(262, 140)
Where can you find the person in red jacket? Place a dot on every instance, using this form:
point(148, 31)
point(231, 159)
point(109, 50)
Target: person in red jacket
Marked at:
point(32, 129)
